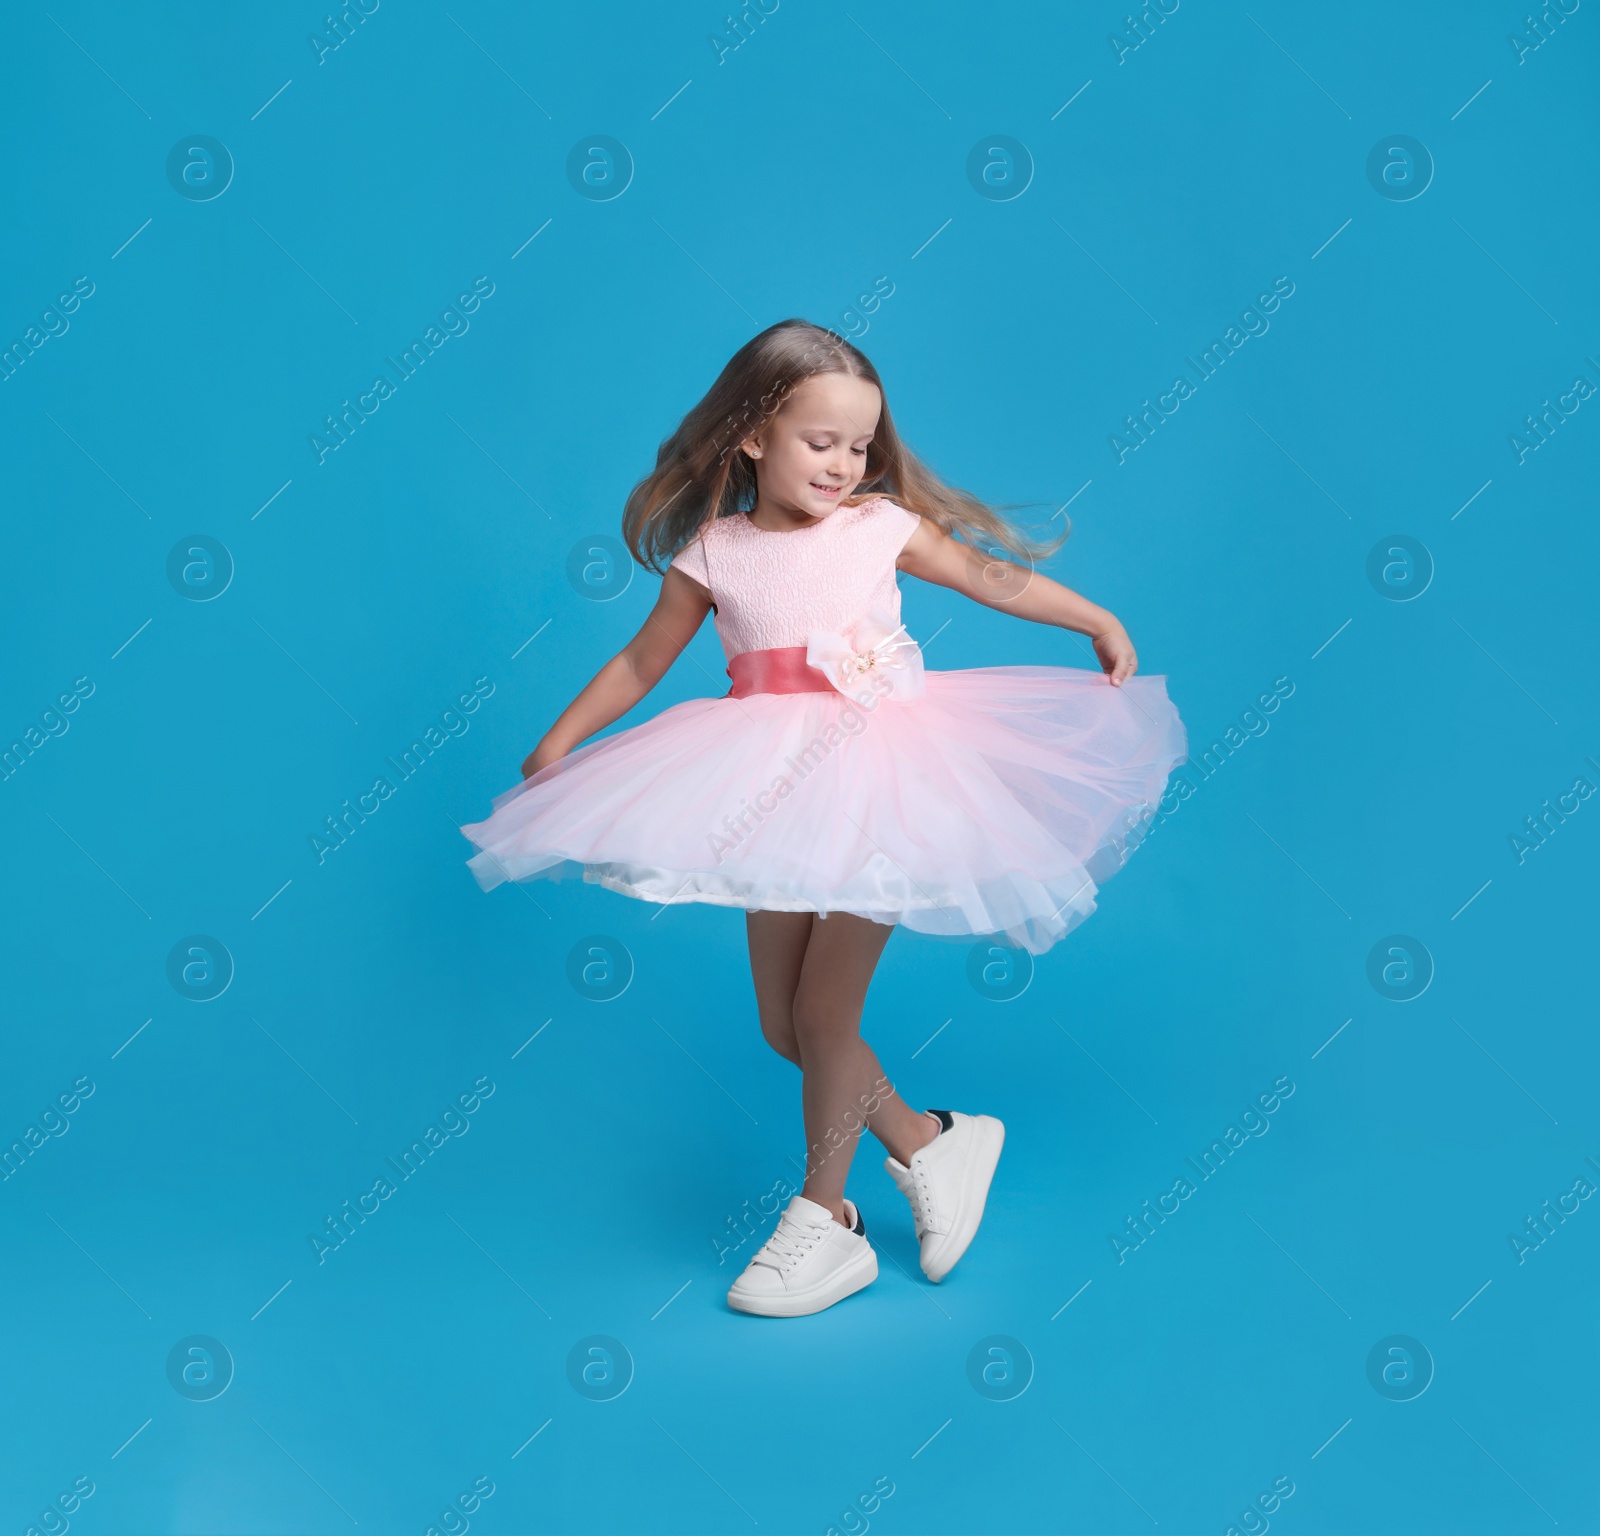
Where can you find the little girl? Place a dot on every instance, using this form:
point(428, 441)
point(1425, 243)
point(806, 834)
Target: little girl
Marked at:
point(837, 789)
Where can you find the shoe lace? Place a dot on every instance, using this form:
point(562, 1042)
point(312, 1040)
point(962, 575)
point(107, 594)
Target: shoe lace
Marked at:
point(790, 1242)
point(924, 1206)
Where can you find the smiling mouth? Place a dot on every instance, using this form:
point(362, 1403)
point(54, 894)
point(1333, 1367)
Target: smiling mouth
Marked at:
point(826, 490)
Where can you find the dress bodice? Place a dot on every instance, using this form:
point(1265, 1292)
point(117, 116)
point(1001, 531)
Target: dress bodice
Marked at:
point(771, 589)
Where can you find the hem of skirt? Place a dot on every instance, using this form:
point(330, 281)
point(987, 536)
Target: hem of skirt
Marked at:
point(950, 921)
point(1035, 932)
point(594, 874)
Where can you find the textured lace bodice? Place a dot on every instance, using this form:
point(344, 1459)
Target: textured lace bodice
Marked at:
point(772, 589)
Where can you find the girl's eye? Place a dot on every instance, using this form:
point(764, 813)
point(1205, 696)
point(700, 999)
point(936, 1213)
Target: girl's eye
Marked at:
point(860, 452)
point(820, 447)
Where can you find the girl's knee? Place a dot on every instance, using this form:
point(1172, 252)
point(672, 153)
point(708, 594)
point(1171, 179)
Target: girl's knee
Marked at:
point(821, 1027)
point(779, 1033)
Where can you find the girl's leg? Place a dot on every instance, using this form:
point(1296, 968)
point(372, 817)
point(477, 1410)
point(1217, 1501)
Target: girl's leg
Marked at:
point(811, 975)
point(844, 1085)
point(777, 948)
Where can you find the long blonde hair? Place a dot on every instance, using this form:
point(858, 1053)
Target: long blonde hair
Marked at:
point(701, 474)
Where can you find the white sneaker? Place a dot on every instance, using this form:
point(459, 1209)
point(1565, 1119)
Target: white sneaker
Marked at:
point(809, 1262)
point(947, 1183)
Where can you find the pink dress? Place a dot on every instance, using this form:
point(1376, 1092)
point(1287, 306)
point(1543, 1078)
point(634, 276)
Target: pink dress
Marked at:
point(838, 775)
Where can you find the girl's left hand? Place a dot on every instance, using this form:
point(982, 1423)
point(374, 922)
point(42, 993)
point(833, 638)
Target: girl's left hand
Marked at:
point(1116, 654)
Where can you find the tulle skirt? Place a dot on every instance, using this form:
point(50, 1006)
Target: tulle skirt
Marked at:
point(995, 804)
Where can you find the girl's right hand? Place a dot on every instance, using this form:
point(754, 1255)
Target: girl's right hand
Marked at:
point(1116, 654)
point(681, 606)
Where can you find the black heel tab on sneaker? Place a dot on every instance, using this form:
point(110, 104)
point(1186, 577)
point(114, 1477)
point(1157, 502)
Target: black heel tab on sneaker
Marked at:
point(860, 1228)
point(945, 1118)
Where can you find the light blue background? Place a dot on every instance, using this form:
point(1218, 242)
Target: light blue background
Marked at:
point(829, 150)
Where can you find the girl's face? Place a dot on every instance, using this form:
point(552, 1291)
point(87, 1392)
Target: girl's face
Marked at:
point(813, 453)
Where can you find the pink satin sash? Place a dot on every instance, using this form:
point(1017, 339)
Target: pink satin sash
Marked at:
point(780, 670)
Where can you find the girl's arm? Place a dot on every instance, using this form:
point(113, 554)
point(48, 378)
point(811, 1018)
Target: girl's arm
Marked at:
point(933, 555)
point(631, 673)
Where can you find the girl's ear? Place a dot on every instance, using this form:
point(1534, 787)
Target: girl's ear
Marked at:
point(752, 446)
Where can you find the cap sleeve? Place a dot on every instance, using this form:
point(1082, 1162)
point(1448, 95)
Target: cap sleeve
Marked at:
point(691, 560)
point(901, 522)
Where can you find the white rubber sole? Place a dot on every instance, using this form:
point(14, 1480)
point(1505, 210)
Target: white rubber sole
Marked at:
point(988, 1136)
point(859, 1273)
